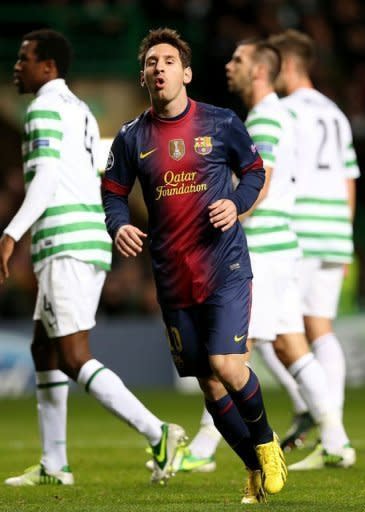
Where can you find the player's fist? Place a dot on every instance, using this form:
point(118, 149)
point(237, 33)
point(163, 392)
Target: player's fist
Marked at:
point(223, 214)
point(129, 240)
point(6, 250)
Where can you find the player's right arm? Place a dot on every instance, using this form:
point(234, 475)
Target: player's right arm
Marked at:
point(117, 183)
point(42, 150)
point(7, 244)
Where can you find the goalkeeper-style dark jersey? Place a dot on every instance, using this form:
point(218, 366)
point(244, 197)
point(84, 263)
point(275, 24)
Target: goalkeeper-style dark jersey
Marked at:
point(184, 164)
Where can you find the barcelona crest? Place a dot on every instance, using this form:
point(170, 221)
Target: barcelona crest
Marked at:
point(176, 148)
point(203, 145)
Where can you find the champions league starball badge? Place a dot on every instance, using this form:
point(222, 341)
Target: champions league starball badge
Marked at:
point(110, 161)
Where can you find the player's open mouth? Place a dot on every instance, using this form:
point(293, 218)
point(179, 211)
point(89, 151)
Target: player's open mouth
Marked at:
point(159, 83)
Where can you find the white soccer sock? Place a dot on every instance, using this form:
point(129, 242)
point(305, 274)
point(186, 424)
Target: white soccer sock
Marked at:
point(279, 371)
point(205, 442)
point(329, 353)
point(110, 391)
point(52, 392)
point(313, 387)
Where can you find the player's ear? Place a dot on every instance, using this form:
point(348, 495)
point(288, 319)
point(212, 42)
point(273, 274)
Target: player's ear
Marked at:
point(288, 63)
point(141, 79)
point(259, 70)
point(50, 66)
point(188, 75)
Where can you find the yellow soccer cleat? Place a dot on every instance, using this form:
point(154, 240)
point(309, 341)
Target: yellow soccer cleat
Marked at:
point(273, 465)
point(254, 491)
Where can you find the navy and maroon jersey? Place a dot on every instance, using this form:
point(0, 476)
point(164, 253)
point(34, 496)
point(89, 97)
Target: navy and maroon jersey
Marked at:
point(184, 164)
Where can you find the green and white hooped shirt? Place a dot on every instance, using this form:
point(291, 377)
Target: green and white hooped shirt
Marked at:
point(60, 130)
point(326, 159)
point(268, 228)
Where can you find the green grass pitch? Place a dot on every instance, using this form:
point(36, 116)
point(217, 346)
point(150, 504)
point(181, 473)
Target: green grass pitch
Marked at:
point(107, 458)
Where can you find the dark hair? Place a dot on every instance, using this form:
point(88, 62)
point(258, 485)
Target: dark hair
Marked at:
point(165, 36)
point(52, 45)
point(293, 42)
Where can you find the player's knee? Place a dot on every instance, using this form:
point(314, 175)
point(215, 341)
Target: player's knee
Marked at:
point(230, 372)
point(290, 348)
point(70, 364)
point(212, 388)
point(43, 354)
point(73, 352)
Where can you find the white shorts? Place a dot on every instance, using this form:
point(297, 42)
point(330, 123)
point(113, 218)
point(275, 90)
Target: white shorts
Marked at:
point(68, 296)
point(276, 305)
point(320, 285)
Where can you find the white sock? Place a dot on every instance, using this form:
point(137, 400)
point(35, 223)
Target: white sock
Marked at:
point(279, 371)
point(313, 387)
point(52, 392)
point(110, 391)
point(329, 353)
point(205, 442)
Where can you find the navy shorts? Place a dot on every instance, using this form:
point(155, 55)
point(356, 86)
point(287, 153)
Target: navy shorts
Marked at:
point(217, 326)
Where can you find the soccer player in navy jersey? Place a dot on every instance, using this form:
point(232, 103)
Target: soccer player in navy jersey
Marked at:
point(183, 153)
point(70, 262)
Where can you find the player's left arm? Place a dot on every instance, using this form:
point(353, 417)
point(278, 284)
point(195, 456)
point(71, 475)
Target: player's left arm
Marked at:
point(350, 164)
point(223, 213)
point(246, 163)
point(263, 193)
point(350, 167)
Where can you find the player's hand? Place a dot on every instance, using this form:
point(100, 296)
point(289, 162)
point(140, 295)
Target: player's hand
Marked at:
point(223, 214)
point(129, 240)
point(7, 245)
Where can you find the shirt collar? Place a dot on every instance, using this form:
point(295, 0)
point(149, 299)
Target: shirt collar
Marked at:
point(58, 84)
point(272, 97)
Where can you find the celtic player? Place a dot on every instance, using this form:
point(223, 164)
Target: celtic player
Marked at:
point(323, 215)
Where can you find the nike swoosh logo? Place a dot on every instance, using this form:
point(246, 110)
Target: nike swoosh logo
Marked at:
point(237, 339)
point(188, 466)
point(148, 153)
point(160, 457)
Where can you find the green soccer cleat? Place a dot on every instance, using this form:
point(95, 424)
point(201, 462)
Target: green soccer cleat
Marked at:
point(254, 491)
point(163, 454)
point(37, 475)
point(320, 459)
point(297, 433)
point(186, 462)
point(273, 465)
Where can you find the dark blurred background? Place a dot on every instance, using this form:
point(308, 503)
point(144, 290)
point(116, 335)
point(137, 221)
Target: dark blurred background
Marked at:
point(105, 36)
